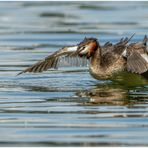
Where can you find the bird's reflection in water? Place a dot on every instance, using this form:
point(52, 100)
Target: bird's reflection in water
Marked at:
point(111, 94)
point(101, 94)
point(105, 95)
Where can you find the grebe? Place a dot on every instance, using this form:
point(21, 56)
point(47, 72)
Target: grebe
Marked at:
point(105, 61)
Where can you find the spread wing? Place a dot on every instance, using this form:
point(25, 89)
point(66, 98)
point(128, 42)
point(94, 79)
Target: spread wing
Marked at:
point(111, 53)
point(137, 63)
point(52, 61)
point(137, 57)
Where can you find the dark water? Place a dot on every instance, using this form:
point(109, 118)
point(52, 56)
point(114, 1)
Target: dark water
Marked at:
point(67, 107)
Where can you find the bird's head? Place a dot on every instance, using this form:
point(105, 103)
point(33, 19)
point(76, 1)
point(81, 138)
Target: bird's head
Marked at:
point(87, 47)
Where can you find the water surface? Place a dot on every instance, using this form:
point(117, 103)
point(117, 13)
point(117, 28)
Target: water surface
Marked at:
point(67, 107)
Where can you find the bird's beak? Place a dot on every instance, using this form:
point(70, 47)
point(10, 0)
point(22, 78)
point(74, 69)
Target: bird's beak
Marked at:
point(78, 50)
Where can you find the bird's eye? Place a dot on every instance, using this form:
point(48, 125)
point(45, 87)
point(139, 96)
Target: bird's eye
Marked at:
point(82, 48)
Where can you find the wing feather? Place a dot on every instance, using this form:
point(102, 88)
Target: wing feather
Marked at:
point(51, 61)
point(136, 63)
point(111, 53)
point(137, 57)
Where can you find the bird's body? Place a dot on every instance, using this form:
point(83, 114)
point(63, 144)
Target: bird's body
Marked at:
point(106, 61)
point(102, 73)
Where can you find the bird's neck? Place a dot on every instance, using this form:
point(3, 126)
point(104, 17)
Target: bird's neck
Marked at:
point(96, 58)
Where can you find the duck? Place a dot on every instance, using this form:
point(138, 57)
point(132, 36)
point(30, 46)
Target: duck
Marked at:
point(105, 61)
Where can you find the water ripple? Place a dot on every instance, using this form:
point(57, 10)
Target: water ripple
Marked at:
point(67, 107)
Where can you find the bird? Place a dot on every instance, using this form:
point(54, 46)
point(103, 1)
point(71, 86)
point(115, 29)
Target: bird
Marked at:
point(105, 61)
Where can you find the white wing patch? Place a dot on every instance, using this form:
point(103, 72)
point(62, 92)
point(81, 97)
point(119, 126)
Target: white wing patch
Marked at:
point(124, 54)
point(72, 49)
point(145, 56)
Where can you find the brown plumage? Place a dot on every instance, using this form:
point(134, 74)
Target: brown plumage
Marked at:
point(137, 57)
point(105, 61)
point(50, 61)
point(112, 52)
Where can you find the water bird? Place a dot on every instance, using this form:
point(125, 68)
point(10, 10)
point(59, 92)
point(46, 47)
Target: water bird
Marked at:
point(106, 61)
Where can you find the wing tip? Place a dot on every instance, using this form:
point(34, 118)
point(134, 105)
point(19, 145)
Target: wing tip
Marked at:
point(20, 73)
